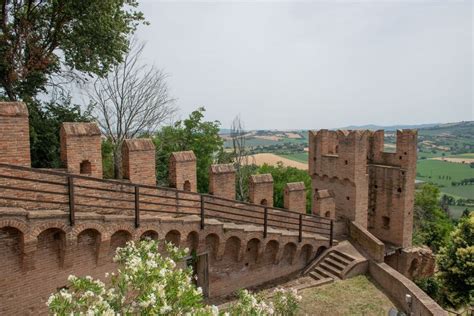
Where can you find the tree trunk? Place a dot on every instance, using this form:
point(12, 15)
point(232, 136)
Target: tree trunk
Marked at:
point(118, 174)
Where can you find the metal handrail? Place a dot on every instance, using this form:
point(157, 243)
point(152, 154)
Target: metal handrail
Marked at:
point(267, 214)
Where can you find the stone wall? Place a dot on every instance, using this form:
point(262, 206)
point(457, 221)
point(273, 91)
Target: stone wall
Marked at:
point(222, 181)
point(138, 160)
point(14, 134)
point(81, 148)
point(398, 287)
point(40, 250)
point(413, 262)
point(373, 247)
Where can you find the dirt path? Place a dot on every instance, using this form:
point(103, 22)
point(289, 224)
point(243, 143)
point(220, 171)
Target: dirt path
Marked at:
point(456, 160)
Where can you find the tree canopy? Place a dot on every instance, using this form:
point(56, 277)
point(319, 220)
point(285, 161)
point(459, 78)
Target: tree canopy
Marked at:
point(432, 224)
point(41, 38)
point(194, 134)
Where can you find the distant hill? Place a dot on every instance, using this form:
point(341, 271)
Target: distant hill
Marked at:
point(430, 126)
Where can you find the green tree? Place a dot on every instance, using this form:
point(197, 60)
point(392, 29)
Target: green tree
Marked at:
point(43, 38)
point(45, 122)
point(283, 175)
point(456, 264)
point(194, 134)
point(431, 224)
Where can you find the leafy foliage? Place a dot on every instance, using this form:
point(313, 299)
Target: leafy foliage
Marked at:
point(41, 38)
point(194, 134)
point(148, 283)
point(45, 122)
point(432, 225)
point(456, 264)
point(283, 175)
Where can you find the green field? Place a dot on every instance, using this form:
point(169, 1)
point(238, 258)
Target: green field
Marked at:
point(300, 157)
point(443, 173)
point(456, 211)
point(469, 155)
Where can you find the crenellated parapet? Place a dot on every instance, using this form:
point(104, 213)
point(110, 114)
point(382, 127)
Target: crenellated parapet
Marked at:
point(138, 161)
point(182, 171)
point(337, 162)
point(81, 148)
point(372, 187)
point(222, 180)
point(14, 134)
point(261, 189)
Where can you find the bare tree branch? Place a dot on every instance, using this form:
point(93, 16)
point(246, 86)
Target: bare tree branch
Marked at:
point(133, 99)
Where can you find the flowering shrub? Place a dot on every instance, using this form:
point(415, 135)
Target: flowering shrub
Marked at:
point(149, 283)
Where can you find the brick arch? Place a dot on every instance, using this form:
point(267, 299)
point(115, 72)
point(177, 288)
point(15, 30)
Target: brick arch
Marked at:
point(232, 248)
point(11, 249)
point(306, 253)
point(119, 239)
point(78, 229)
point(252, 251)
point(22, 227)
point(174, 236)
point(87, 246)
point(212, 245)
point(120, 227)
point(151, 233)
point(48, 225)
point(51, 246)
point(289, 252)
point(192, 241)
point(270, 252)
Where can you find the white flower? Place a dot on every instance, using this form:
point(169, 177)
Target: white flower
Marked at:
point(71, 278)
point(165, 309)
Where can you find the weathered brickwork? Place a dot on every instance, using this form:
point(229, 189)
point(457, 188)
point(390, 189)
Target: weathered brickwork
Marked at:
point(261, 189)
point(138, 160)
point(81, 148)
point(39, 250)
point(182, 171)
point(222, 181)
point(338, 162)
point(324, 204)
point(392, 188)
point(413, 262)
point(14, 134)
point(294, 197)
point(371, 187)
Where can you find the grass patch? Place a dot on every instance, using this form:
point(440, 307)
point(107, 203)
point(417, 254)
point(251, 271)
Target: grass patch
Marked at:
point(300, 157)
point(355, 296)
point(443, 173)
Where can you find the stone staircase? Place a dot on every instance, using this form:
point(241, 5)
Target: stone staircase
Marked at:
point(331, 267)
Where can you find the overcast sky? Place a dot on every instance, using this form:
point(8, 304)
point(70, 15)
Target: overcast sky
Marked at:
point(316, 64)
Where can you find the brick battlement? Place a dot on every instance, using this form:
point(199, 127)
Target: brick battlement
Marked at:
point(371, 187)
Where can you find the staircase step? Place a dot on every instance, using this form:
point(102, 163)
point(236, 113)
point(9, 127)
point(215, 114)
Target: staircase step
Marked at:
point(341, 254)
point(334, 263)
point(330, 269)
point(336, 257)
point(315, 283)
point(315, 275)
point(325, 273)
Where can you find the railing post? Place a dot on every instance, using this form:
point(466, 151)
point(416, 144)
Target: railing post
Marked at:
point(265, 222)
point(300, 229)
point(202, 211)
point(137, 206)
point(72, 217)
point(331, 232)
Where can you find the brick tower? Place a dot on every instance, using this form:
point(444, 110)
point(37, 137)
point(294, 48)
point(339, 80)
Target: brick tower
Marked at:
point(14, 134)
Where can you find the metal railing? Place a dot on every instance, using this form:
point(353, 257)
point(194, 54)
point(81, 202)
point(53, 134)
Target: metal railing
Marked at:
point(39, 189)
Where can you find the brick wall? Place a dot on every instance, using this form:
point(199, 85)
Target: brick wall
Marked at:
point(182, 171)
point(392, 188)
point(138, 159)
point(14, 134)
point(261, 189)
point(222, 181)
point(81, 148)
point(294, 197)
point(40, 250)
point(324, 204)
